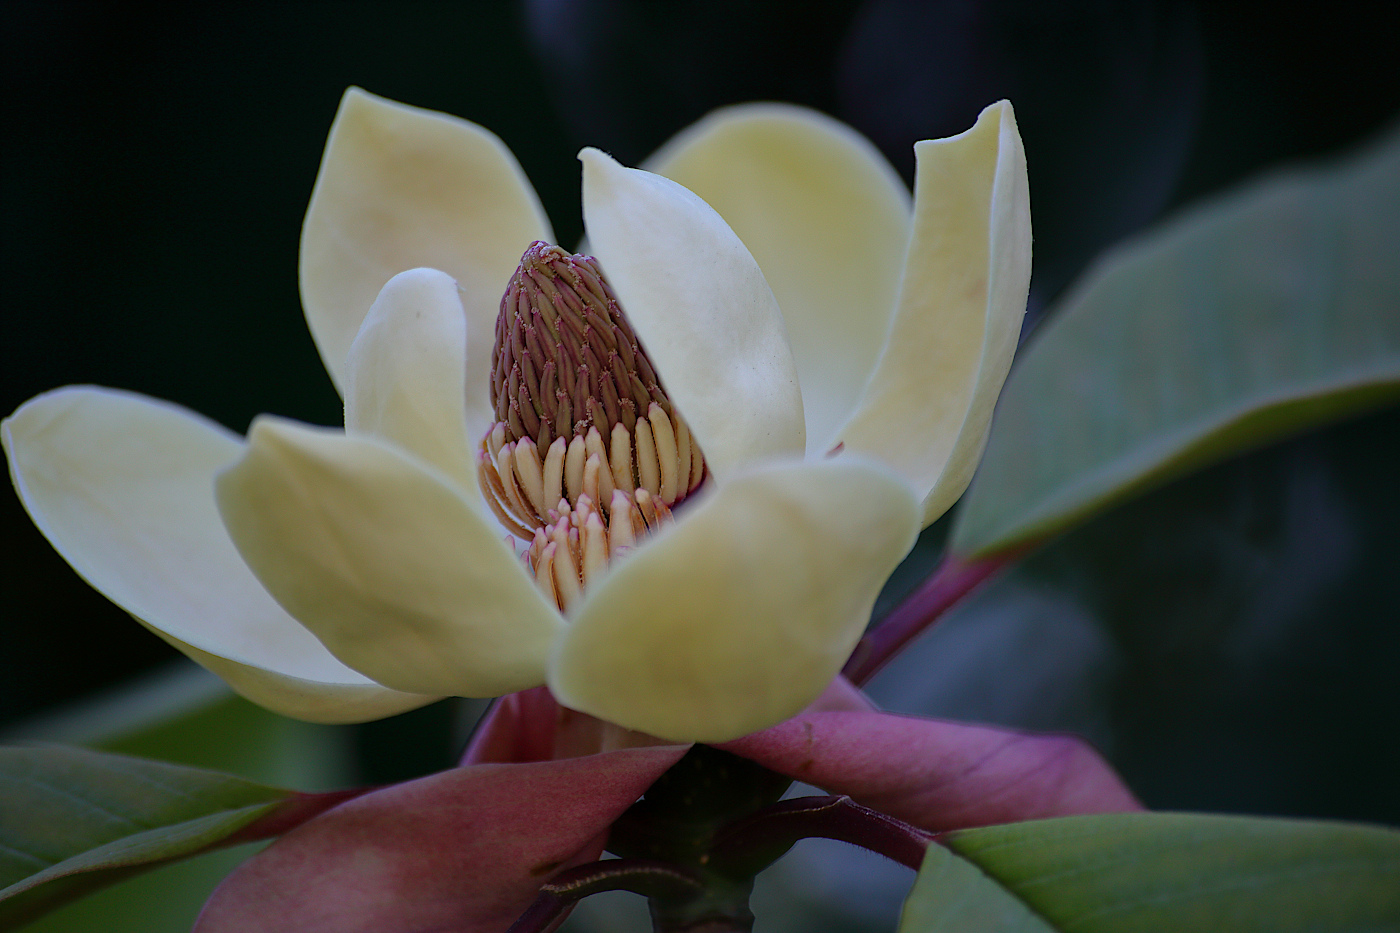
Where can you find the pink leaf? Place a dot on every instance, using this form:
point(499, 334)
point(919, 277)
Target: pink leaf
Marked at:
point(940, 775)
point(465, 850)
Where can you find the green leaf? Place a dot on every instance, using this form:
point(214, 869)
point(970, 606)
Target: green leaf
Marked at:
point(952, 896)
point(1148, 872)
point(186, 715)
point(74, 820)
point(1262, 314)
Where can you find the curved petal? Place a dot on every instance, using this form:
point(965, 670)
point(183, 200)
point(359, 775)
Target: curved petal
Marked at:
point(929, 403)
point(739, 615)
point(401, 188)
point(827, 219)
point(940, 775)
point(701, 309)
point(465, 850)
point(386, 562)
point(123, 487)
point(405, 381)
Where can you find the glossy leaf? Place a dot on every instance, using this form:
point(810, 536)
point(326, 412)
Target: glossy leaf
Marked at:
point(1147, 872)
point(1265, 313)
point(73, 820)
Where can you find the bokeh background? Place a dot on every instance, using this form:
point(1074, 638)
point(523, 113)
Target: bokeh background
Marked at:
point(1230, 640)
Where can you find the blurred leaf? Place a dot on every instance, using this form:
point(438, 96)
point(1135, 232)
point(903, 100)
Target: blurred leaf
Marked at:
point(1268, 312)
point(165, 899)
point(76, 819)
point(1166, 872)
point(187, 715)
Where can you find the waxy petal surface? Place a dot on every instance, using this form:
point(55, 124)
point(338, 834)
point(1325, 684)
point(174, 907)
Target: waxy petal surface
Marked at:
point(401, 188)
point(827, 219)
point(406, 378)
point(740, 614)
point(702, 310)
point(929, 403)
point(940, 775)
point(386, 562)
point(465, 850)
point(123, 488)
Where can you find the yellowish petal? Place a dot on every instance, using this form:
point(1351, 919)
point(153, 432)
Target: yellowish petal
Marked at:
point(406, 380)
point(401, 188)
point(701, 308)
point(929, 403)
point(827, 219)
point(386, 562)
point(308, 700)
point(123, 487)
point(739, 615)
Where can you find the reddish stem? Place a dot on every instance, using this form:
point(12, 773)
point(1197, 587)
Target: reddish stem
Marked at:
point(641, 876)
point(953, 580)
point(750, 845)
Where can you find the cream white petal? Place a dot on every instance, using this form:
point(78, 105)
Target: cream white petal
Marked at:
point(827, 219)
point(406, 378)
point(401, 188)
point(384, 559)
point(308, 700)
point(701, 308)
point(123, 487)
point(739, 615)
point(929, 403)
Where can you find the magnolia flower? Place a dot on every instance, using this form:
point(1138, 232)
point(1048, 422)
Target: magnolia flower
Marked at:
point(833, 349)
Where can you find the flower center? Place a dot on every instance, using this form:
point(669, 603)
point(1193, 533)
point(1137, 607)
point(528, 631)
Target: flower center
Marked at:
point(587, 453)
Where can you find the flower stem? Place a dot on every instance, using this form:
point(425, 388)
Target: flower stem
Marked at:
point(750, 845)
point(641, 876)
point(953, 580)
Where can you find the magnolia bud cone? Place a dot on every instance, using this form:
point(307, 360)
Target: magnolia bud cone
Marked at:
point(587, 453)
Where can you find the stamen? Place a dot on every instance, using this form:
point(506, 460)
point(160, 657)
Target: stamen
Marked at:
point(505, 469)
point(544, 571)
point(554, 471)
point(529, 472)
point(592, 473)
point(490, 482)
point(573, 467)
point(620, 524)
point(621, 459)
point(593, 443)
point(667, 452)
point(646, 504)
point(566, 580)
point(648, 473)
point(595, 547)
